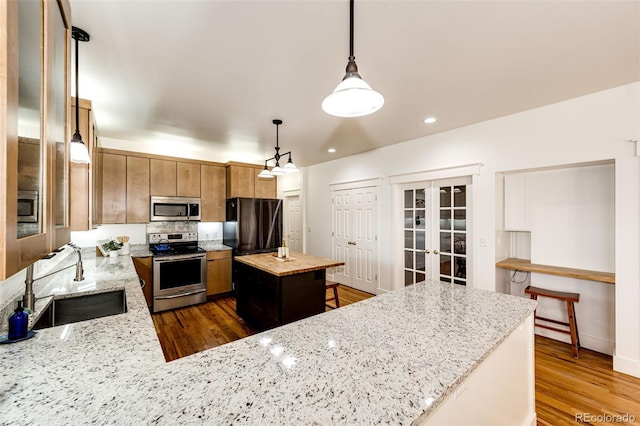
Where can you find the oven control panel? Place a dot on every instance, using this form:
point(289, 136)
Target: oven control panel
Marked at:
point(177, 237)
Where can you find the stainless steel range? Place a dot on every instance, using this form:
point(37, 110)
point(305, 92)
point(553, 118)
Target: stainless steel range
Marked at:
point(179, 270)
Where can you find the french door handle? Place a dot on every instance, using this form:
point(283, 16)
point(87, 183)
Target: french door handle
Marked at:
point(436, 252)
point(427, 251)
point(351, 243)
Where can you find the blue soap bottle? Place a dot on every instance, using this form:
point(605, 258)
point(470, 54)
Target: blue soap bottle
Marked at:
point(18, 323)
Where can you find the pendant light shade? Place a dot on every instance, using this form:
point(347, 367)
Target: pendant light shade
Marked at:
point(79, 152)
point(353, 97)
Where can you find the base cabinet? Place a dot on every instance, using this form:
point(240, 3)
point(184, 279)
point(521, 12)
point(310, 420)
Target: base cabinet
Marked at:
point(219, 273)
point(266, 301)
point(143, 267)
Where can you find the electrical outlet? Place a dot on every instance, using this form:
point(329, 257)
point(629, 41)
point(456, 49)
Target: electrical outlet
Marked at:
point(215, 236)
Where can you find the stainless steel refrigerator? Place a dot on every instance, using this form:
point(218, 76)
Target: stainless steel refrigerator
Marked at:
point(253, 225)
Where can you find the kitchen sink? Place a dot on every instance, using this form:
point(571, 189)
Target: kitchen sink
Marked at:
point(82, 308)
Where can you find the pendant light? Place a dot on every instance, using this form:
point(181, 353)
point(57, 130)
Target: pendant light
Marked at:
point(277, 170)
point(353, 97)
point(79, 151)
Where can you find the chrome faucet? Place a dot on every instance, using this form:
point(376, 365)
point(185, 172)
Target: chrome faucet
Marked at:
point(29, 298)
point(79, 270)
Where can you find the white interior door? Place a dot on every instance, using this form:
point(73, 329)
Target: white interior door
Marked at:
point(293, 223)
point(342, 237)
point(436, 228)
point(354, 237)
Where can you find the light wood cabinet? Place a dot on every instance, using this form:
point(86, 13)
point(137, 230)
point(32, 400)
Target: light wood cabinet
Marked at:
point(243, 181)
point(265, 188)
point(219, 272)
point(114, 188)
point(188, 179)
point(47, 56)
point(212, 187)
point(144, 270)
point(163, 177)
point(137, 203)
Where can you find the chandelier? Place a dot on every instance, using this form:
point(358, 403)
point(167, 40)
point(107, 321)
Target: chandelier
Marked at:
point(277, 170)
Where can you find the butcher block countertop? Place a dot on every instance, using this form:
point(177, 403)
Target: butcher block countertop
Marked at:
point(297, 263)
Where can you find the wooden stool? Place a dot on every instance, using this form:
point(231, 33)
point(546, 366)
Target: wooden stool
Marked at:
point(334, 287)
point(569, 298)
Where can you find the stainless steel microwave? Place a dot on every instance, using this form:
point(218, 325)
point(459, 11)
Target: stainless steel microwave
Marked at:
point(168, 209)
point(27, 206)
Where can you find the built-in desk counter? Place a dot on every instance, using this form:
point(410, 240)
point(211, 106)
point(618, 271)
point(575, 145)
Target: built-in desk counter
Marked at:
point(583, 274)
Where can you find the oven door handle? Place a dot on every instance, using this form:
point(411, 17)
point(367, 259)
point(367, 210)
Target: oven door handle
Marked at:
point(174, 296)
point(179, 257)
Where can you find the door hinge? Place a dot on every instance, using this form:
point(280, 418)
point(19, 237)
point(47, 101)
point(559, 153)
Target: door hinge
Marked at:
point(333, 234)
point(376, 277)
point(376, 238)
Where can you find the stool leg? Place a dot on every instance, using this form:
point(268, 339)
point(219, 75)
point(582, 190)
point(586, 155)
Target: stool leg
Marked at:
point(335, 295)
point(573, 326)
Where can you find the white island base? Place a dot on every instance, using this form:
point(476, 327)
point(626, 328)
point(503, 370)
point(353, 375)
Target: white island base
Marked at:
point(500, 391)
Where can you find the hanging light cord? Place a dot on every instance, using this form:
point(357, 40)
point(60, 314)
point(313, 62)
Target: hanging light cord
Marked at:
point(77, 132)
point(78, 35)
point(352, 68)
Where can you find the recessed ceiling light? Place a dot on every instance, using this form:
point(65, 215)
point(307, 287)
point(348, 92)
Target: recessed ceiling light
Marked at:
point(331, 150)
point(430, 120)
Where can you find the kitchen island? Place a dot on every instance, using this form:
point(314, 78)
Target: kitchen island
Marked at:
point(272, 291)
point(405, 357)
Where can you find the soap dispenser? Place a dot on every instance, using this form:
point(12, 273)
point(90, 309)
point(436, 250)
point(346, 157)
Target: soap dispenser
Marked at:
point(18, 323)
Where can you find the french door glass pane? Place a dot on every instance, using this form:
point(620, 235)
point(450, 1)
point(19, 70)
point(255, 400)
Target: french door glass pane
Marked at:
point(408, 278)
point(460, 196)
point(408, 199)
point(420, 240)
point(420, 265)
point(420, 219)
point(408, 239)
point(445, 219)
point(445, 242)
point(408, 259)
point(460, 219)
point(445, 265)
point(459, 243)
point(420, 198)
point(445, 196)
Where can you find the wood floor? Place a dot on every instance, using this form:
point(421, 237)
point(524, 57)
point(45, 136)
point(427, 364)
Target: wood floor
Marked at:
point(196, 328)
point(565, 387)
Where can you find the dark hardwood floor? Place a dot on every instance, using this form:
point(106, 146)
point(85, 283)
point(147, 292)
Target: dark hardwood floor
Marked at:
point(565, 387)
point(186, 331)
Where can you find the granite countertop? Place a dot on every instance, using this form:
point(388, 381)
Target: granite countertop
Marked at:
point(296, 263)
point(352, 365)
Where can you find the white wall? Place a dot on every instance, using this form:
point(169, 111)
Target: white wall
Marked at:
point(590, 128)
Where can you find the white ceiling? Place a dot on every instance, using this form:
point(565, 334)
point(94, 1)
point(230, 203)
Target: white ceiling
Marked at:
point(215, 73)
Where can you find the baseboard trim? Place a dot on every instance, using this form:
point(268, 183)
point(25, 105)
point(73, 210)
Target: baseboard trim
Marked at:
point(626, 366)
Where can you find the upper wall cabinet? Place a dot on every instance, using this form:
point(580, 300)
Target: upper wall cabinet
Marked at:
point(517, 203)
point(34, 112)
point(243, 181)
point(175, 178)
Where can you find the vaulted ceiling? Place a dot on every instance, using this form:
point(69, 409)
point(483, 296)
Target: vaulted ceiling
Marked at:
point(207, 77)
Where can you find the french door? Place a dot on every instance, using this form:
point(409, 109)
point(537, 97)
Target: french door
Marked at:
point(354, 237)
point(435, 230)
